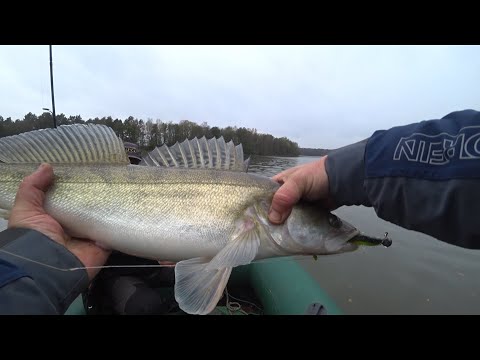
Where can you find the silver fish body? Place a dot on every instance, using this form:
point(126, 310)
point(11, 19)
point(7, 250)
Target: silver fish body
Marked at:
point(192, 203)
point(159, 213)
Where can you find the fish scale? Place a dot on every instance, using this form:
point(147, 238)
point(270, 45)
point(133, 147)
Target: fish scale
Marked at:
point(193, 203)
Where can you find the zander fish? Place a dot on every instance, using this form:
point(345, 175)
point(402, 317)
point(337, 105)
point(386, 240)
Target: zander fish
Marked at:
point(193, 203)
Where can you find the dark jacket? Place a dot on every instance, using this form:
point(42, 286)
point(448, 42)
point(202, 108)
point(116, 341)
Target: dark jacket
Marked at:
point(30, 288)
point(423, 177)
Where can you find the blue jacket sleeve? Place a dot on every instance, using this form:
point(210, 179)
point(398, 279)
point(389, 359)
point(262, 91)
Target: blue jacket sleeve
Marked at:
point(423, 176)
point(31, 288)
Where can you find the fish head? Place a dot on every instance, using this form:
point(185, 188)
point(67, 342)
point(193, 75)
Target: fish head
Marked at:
point(319, 231)
point(311, 230)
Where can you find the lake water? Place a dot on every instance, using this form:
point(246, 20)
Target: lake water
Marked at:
point(416, 275)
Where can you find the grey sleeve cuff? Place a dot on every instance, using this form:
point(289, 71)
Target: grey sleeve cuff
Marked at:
point(346, 173)
point(61, 288)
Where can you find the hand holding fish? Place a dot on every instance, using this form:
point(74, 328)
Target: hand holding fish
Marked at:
point(308, 182)
point(28, 212)
point(193, 203)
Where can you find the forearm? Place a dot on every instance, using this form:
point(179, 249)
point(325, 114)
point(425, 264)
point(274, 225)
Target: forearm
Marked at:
point(423, 177)
point(28, 287)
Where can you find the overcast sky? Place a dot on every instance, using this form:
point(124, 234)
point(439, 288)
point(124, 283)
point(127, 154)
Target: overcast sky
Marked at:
point(318, 96)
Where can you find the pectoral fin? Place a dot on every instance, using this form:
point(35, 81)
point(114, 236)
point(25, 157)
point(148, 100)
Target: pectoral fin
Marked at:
point(240, 251)
point(200, 282)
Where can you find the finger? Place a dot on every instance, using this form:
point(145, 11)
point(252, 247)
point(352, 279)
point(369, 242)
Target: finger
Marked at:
point(284, 200)
point(41, 178)
point(31, 192)
point(281, 177)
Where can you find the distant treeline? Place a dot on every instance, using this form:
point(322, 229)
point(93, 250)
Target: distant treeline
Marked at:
point(313, 152)
point(151, 133)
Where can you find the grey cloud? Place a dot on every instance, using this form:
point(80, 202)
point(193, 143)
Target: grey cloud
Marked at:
point(319, 96)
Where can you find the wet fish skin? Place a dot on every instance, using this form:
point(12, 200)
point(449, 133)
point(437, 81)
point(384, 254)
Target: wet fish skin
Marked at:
point(151, 212)
point(209, 216)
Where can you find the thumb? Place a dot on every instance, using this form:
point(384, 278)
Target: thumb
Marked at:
point(31, 192)
point(283, 201)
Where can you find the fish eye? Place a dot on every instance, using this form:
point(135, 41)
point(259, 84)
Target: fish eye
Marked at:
point(334, 221)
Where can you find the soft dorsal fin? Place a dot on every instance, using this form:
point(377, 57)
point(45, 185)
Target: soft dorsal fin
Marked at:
point(77, 143)
point(197, 153)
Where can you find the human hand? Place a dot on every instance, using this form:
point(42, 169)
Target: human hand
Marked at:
point(28, 212)
point(308, 182)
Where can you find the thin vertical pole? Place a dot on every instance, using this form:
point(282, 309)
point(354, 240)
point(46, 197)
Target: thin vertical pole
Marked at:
point(51, 85)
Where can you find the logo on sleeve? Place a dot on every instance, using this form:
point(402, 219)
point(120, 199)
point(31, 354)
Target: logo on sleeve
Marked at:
point(440, 149)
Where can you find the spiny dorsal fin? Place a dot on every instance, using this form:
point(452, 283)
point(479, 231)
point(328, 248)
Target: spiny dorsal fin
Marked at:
point(199, 153)
point(77, 143)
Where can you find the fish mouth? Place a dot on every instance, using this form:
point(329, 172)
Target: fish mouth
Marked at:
point(349, 236)
point(342, 242)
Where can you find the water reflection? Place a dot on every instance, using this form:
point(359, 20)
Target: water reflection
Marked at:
point(270, 165)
